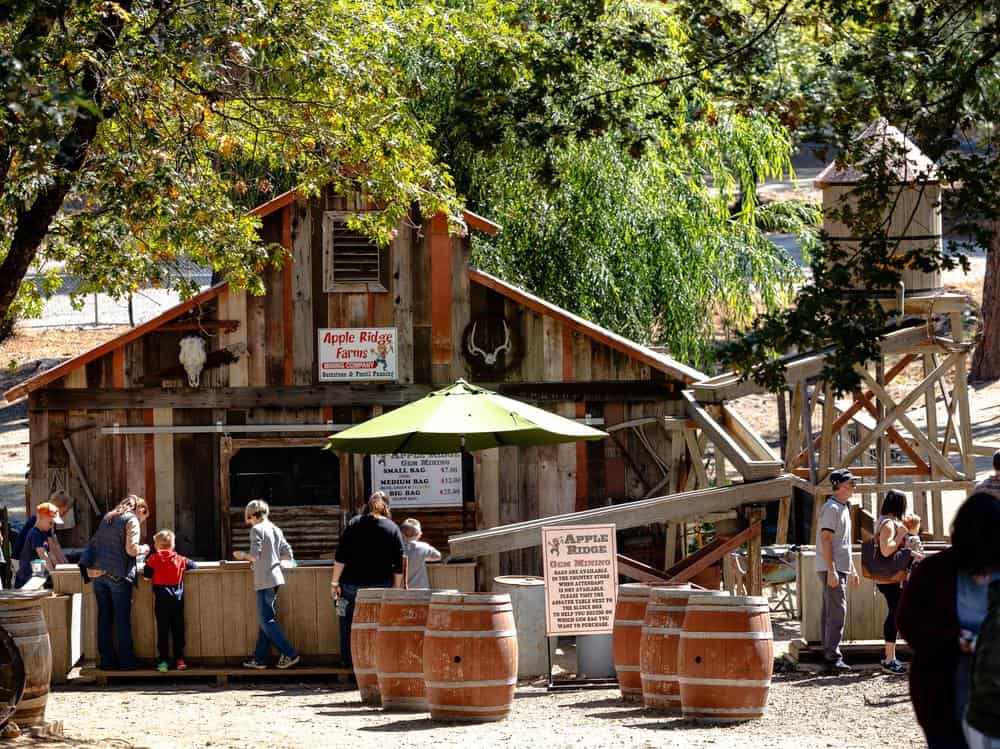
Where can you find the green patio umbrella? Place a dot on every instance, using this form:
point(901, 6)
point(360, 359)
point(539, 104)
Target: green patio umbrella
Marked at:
point(461, 417)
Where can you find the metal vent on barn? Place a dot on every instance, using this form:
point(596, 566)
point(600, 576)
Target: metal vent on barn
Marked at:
point(355, 256)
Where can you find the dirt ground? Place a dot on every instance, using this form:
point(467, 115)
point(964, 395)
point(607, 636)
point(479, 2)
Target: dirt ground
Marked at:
point(866, 709)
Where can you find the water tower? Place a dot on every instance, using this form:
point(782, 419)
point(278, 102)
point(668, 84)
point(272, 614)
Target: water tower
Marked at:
point(912, 216)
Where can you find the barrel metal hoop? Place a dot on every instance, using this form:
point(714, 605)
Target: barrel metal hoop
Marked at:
point(404, 675)
point(690, 710)
point(472, 633)
point(726, 635)
point(466, 684)
point(395, 628)
point(365, 671)
point(733, 609)
point(710, 682)
point(626, 669)
point(471, 708)
point(497, 608)
point(659, 677)
point(628, 622)
point(662, 630)
point(364, 625)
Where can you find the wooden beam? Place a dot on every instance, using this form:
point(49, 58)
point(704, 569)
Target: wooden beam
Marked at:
point(749, 440)
point(279, 396)
point(672, 508)
point(749, 468)
point(907, 486)
point(900, 441)
point(903, 470)
point(900, 408)
point(933, 454)
point(81, 475)
point(855, 407)
point(640, 572)
point(288, 370)
point(705, 561)
point(224, 325)
point(138, 331)
point(727, 386)
point(755, 566)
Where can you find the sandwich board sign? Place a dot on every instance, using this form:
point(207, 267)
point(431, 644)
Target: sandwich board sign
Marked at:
point(581, 579)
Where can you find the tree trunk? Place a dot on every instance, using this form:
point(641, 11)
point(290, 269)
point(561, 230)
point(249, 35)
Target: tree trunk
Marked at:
point(986, 361)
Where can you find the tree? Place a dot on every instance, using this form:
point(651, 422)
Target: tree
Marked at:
point(128, 127)
point(932, 70)
point(603, 190)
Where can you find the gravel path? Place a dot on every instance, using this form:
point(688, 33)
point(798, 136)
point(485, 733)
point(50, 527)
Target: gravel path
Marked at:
point(865, 709)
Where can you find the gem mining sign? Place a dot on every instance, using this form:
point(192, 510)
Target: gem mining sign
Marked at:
point(581, 575)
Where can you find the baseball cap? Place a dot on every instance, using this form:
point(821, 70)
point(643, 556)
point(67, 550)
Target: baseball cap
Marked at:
point(47, 508)
point(840, 475)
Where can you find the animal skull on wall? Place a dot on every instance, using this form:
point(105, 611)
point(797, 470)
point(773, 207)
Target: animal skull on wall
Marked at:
point(193, 358)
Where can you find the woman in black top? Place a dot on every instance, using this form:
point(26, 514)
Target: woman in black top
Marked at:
point(370, 555)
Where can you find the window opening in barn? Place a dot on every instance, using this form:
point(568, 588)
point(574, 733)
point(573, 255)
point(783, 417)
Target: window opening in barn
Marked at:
point(352, 261)
point(285, 477)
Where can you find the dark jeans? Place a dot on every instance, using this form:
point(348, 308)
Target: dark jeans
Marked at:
point(169, 624)
point(270, 632)
point(891, 591)
point(114, 621)
point(350, 592)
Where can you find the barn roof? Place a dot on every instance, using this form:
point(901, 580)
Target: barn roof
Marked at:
point(909, 165)
point(49, 375)
point(646, 355)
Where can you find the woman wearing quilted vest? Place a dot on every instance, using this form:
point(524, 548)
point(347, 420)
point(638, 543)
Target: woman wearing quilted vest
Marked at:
point(110, 563)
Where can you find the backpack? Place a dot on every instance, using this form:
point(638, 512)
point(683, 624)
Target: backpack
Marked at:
point(880, 568)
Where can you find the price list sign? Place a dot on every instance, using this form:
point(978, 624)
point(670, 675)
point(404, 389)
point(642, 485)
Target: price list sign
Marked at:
point(581, 576)
point(419, 480)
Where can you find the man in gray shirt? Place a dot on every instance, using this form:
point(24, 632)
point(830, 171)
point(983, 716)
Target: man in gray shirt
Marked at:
point(834, 566)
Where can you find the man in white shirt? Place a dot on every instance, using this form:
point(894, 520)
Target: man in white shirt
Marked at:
point(835, 566)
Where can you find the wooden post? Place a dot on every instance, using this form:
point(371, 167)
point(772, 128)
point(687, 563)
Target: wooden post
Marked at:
point(930, 406)
point(962, 393)
point(755, 571)
point(881, 449)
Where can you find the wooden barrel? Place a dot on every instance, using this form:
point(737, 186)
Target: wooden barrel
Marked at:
point(726, 658)
point(629, 614)
point(21, 616)
point(658, 639)
point(364, 630)
point(399, 648)
point(470, 656)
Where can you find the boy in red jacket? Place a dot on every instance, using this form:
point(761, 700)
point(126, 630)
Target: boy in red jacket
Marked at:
point(166, 569)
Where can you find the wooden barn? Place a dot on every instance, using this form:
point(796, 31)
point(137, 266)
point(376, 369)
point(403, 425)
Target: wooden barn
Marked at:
point(228, 397)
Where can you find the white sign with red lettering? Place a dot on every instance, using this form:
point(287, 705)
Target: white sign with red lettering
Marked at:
point(357, 354)
point(581, 579)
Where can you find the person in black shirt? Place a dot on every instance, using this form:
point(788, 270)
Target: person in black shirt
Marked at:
point(370, 555)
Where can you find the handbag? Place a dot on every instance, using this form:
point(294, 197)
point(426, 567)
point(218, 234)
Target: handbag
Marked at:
point(877, 566)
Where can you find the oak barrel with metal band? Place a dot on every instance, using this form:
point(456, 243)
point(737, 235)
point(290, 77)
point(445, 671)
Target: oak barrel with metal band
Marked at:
point(399, 648)
point(21, 615)
point(364, 630)
point(658, 639)
point(725, 658)
point(470, 656)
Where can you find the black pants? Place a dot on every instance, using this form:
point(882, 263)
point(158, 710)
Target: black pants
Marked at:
point(891, 591)
point(169, 624)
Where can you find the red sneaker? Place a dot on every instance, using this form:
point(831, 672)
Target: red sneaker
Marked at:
point(181, 665)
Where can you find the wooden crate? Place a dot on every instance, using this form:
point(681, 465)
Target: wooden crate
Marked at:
point(460, 577)
point(866, 607)
point(220, 613)
point(63, 619)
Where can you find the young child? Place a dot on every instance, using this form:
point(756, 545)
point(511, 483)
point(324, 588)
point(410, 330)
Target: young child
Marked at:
point(166, 568)
point(418, 554)
point(912, 524)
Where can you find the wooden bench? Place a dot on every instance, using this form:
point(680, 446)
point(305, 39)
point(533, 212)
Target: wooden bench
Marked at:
point(221, 674)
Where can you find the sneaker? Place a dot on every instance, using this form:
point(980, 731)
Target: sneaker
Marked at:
point(893, 667)
point(254, 664)
point(181, 665)
point(837, 667)
point(286, 662)
point(162, 667)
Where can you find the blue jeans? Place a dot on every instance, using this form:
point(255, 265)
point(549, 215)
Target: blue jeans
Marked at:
point(114, 621)
point(270, 632)
point(350, 592)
